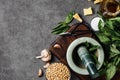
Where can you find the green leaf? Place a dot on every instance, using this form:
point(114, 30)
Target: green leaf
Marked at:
point(117, 61)
point(109, 23)
point(114, 60)
point(115, 39)
point(114, 49)
point(100, 25)
point(114, 52)
point(103, 38)
point(107, 32)
point(59, 25)
point(93, 48)
point(87, 44)
point(63, 29)
point(63, 26)
point(95, 59)
point(110, 72)
point(69, 17)
point(113, 55)
point(115, 19)
point(117, 33)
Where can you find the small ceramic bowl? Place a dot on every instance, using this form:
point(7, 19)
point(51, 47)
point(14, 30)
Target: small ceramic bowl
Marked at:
point(70, 51)
point(94, 23)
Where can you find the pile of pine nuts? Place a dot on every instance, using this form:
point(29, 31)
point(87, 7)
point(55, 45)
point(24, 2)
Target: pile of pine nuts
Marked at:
point(57, 71)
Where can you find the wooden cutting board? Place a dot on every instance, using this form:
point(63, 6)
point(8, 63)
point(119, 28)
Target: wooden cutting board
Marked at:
point(77, 30)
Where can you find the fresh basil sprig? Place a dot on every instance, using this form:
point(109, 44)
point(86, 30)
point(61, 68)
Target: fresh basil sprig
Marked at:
point(63, 26)
point(69, 17)
point(109, 35)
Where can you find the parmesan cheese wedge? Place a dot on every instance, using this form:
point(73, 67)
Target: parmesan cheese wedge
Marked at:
point(97, 1)
point(88, 11)
point(77, 17)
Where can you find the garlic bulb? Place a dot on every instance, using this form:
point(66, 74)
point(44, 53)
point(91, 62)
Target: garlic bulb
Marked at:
point(45, 55)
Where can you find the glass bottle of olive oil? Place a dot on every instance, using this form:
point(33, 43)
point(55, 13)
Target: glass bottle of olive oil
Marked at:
point(110, 8)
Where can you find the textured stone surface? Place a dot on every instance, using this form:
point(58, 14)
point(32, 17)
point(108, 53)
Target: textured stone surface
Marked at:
point(25, 27)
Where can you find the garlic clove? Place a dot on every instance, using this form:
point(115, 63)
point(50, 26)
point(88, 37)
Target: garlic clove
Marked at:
point(57, 46)
point(40, 72)
point(46, 65)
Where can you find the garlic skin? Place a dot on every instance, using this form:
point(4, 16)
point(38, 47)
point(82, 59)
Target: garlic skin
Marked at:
point(40, 72)
point(38, 57)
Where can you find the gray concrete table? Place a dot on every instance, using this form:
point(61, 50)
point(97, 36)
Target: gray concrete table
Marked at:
point(25, 29)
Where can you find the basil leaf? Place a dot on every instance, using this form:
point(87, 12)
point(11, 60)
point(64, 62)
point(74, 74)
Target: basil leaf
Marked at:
point(100, 25)
point(69, 17)
point(63, 29)
point(87, 44)
point(113, 55)
point(117, 33)
point(109, 32)
point(63, 26)
point(115, 19)
point(103, 38)
point(59, 25)
point(110, 72)
point(115, 38)
point(114, 49)
point(117, 62)
point(109, 23)
point(93, 48)
point(95, 59)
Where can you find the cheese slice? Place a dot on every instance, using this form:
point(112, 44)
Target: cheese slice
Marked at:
point(77, 17)
point(88, 11)
point(97, 1)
